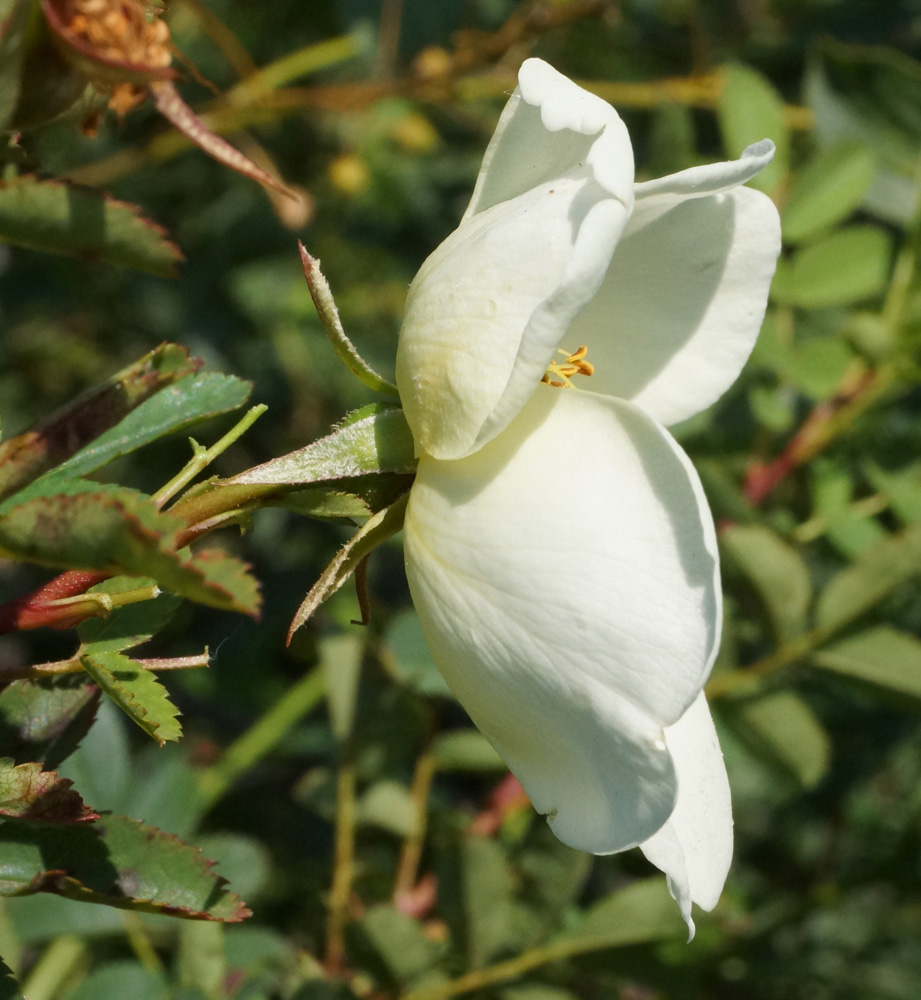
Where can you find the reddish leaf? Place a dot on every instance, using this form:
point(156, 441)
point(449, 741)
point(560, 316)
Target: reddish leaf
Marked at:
point(175, 110)
point(29, 793)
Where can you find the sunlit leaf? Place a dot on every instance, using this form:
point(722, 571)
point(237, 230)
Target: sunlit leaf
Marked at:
point(847, 266)
point(136, 691)
point(751, 110)
point(878, 570)
point(784, 732)
point(828, 189)
point(871, 94)
point(387, 804)
point(466, 750)
point(56, 439)
point(881, 656)
point(116, 861)
point(777, 572)
point(189, 401)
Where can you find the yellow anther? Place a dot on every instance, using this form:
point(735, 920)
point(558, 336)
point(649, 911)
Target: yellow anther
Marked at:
point(575, 364)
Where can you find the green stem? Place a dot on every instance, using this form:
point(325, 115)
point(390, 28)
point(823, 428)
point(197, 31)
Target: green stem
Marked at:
point(411, 854)
point(265, 734)
point(746, 679)
point(202, 457)
point(503, 971)
point(343, 866)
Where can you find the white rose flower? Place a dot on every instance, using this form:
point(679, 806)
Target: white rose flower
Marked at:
point(559, 547)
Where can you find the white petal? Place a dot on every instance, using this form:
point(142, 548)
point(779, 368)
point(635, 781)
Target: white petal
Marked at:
point(681, 306)
point(549, 126)
point(711, 178)
point(694, 848)
point(566, 578)
point(488, 309)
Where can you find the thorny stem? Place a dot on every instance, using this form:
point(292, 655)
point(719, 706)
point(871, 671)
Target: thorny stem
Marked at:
point(74, 666)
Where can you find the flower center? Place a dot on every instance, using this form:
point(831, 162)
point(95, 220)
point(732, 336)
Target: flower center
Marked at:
point(575, 364)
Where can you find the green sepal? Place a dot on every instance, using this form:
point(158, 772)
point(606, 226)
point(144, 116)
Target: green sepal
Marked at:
point(374, 439)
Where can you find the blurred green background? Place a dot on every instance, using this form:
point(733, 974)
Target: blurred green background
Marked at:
point(811, 464)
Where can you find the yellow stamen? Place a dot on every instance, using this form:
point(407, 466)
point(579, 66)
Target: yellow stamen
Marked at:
point(575, 364)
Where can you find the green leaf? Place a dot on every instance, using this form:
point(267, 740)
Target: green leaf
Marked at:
point(871, 94)
point(827, 189)
point(120, 531)
point(121, 981)
point(373, 439)
point(9, 988)
point(119, 862)
point(878, 570)
point(329, 317)
point(14, 20)
point(129, 625)
point(406, 657)
point(881, 656)
point(466, 750)
point(777, 572)
point(387, 805)
point(137, 692)
point(341, 663)
point(641, 913)
point(400, 942)
point(784, 733)
point(46, 720)
point(57, 217)
point(189, 401)
point(845, 267)
point(28, 455)
point(29, 793)
point(901, 488)
point(536, 991)
point(751, 110)
point(820, 364)
point(487, 895)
